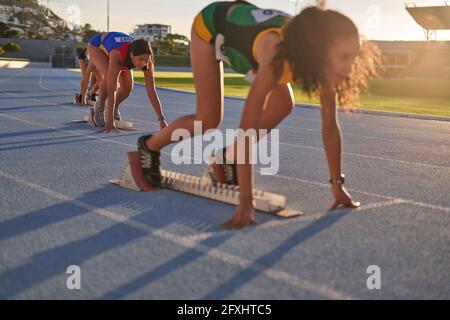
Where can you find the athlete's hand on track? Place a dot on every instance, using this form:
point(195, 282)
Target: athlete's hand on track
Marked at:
point(110, 127)
point(85, 99)
point(242, 217)
point(342, 198)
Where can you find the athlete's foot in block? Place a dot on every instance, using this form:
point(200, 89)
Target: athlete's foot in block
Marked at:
point(78, 99)
point(242, 217)
point(150, 161)
point(223, 173)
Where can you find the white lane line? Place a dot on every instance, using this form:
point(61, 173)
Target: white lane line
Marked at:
point(47, 88)
point(321, 148)
point(14, 76)
point(318, 215)
point(412, 202)
point(131, 119)
point(291, 117)
point(372, 137)
point(281, 143)
point(357, 136)
point(368, 157)
point(80, 109)
point(272, 273)
point(317, 131)
point(66, 131)
point(349, 115)
point(231, 259)
point(306, 218)
point(316, 119)
point(421, 204)
point(40, 81)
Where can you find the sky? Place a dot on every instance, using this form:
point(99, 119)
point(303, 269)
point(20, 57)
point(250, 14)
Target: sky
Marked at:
point(376, 19)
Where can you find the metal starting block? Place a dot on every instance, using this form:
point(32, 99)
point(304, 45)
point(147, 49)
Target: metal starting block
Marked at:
point(120, 124)
point(199, 186)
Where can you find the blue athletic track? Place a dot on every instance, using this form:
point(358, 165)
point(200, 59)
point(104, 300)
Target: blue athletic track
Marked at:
point(58, 208)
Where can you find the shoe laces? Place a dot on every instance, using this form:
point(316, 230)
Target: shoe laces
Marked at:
point(148, 161)
point(228, 172)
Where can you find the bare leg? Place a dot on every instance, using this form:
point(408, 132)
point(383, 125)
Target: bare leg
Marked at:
point(100, 60)
point(208, 80)
point(83, 68)
point(126, 83)
point(278, 106)
point(96, 79)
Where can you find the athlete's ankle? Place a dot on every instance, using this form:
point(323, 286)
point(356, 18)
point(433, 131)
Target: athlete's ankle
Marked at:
point(150, 145)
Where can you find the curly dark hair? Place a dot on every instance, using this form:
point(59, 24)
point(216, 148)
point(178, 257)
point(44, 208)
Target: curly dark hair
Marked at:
point(307, 39)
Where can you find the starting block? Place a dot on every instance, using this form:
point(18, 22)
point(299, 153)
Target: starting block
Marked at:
point(120, 124)
point(199, 186)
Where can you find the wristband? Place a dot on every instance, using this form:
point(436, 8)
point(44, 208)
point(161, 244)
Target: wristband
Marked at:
point(338, 181)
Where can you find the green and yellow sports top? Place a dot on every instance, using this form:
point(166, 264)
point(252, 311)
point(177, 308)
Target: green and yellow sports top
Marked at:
point(236, 33)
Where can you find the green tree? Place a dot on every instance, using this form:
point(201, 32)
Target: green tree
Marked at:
point(39, 36)
point(178, 38)
point(11, 33)
point(3, 29)
point(89, 34)
point(11, 47)
point(24, 17)
point(87, 27)
point(80, 48)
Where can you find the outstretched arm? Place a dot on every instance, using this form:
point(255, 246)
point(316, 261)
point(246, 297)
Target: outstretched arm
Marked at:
point(149, 77)
point(332, 140)
point(112, 79)
point(85, 82)
point(265, 81)
point(331, 132)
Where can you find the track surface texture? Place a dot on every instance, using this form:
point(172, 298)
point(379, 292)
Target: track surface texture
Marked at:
point(58, 208)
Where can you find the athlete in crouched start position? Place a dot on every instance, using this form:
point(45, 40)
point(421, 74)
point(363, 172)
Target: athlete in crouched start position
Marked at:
point(115, 54)
point(318, 49)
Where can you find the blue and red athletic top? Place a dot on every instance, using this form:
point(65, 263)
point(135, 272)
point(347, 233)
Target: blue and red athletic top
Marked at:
point(114, 41)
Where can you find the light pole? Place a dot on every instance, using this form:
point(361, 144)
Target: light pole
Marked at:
point(296, 5)
point(63, 56)
point(107, 16)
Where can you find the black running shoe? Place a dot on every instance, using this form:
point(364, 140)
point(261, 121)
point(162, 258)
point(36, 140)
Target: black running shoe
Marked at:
point(150, 163)
point(225, 173)
point(77, 99)
point(99, 116)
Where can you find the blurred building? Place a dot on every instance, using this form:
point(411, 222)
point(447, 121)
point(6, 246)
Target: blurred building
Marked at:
point(420, 58)
point(151, 32)
point(424, 59)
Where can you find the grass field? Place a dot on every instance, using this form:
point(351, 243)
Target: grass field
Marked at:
point(420, 96)
point(407, 95)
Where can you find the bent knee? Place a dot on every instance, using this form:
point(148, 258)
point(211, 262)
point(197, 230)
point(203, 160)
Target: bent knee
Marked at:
point(209, 122)
point(289, 107)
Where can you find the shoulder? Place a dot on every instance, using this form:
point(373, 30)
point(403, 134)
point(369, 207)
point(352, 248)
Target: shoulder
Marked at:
point(267, 47)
